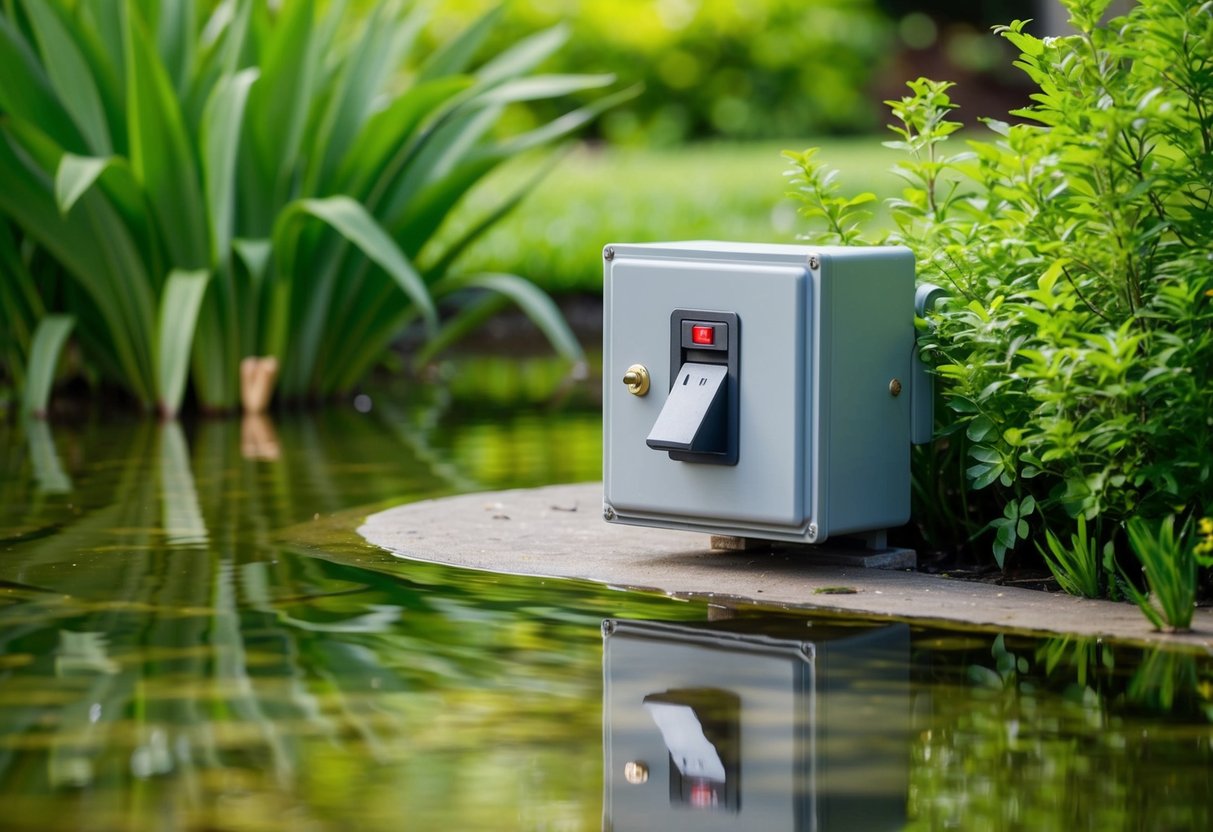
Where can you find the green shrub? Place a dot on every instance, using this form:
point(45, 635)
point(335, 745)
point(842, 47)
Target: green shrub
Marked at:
point(269, 177)
point(1076, 349)
point(758, 69)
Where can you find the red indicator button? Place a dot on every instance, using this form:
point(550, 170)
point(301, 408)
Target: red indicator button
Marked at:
point(703, 335)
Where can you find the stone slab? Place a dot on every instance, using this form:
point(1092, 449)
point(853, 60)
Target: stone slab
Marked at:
point(558, 532)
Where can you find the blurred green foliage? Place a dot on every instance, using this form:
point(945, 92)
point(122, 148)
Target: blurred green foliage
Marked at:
point(1076, 344)
point(763, 68)
point(194, 188)
point(602, 194)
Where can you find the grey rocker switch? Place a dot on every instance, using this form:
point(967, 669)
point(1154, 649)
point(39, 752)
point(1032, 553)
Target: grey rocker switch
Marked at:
point(698, 422)
point(694, 417)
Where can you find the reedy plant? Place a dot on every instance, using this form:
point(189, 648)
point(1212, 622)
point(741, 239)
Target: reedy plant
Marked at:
point(267, 177)
point(1079, 568)
point(1169, 563)
point(1076, 349)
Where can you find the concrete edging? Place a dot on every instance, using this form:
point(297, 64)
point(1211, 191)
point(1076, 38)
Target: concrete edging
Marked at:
point(558, 532)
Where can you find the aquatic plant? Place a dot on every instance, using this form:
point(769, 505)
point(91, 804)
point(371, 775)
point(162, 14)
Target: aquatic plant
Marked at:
point(1170, 564)
point(1076, 567)
point(1075, 351)
point(262, 179)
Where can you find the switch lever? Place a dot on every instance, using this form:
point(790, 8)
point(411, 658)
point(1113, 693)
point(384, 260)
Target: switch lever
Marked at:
point(695, 415)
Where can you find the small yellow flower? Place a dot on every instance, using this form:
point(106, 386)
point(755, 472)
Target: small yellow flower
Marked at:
point(1205, 527)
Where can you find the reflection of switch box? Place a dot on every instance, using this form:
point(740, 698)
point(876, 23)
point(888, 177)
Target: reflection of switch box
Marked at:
point(807, 728)
point(817, 408)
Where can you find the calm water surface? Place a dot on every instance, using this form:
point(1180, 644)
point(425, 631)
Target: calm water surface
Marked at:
point(192, 637)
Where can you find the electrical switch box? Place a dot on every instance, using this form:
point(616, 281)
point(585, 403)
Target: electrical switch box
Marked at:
point(758, 391)
point(713, 726)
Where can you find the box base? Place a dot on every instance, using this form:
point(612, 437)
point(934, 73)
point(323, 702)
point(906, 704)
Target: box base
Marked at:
point(835, 553)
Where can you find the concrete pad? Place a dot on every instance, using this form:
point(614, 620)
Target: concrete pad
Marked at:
point(558, 532)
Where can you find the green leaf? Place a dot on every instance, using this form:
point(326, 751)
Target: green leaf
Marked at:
point(388, 132)
point(77, 174)
point(528, 297)
point(281, 101)
point(457, 54)
point(161, 156)
point(979, 429)
point(70, 76)
point(539, 87)
point(179, 305)
point(524, 56)
point(351, 220)
point(49, 338)
point(222, 120)
point(352, 97)
point(26, 91)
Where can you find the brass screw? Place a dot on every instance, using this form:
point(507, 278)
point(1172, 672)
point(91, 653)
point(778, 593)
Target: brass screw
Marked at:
point(895, 387)
point(636, 772)
point(637, 379)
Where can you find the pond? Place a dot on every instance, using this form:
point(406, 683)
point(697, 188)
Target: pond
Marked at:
point(193, 637)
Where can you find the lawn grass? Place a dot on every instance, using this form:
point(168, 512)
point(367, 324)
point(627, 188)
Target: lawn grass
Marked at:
point(599, 195)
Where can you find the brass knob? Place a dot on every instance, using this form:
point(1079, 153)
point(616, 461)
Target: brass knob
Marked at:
point(637, 379)
point(895, 387)
point(636, 772)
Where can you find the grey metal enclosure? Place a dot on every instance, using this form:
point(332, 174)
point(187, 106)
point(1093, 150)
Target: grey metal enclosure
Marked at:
point(760, 391)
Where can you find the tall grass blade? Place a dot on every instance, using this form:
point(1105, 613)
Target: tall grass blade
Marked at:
point(524, 56)
point(23, 308)
point(388, 132)
point(93, 244)
point(49, 338)
point(567, 123)
point(352, 221)
point(77, 174)
point(178, 318)
point(356, 88)
point(26, 92)
point(222, 121)
point(175, 40)
point(161, 155)
point(442, 265)
point(529, 298)
point(457, 54)
point(70, 76)
point(281, 101)
point(538, 87)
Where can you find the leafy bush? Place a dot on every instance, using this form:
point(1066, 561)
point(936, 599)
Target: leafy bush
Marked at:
point(1076, 349)
point(759, 69)
point(268, 177)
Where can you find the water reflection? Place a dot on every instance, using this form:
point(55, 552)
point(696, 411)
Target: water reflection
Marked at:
point(755, 725)
point(168, 662)
point(171, 658)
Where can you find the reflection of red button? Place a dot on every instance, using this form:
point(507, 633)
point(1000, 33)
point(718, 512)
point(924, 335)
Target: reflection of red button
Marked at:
point(703, 335)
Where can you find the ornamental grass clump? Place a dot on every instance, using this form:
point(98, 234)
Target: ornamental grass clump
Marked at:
point(186, 189)
point(1075, 351)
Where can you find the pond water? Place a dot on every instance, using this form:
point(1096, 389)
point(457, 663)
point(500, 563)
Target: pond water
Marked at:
point(192, 637)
